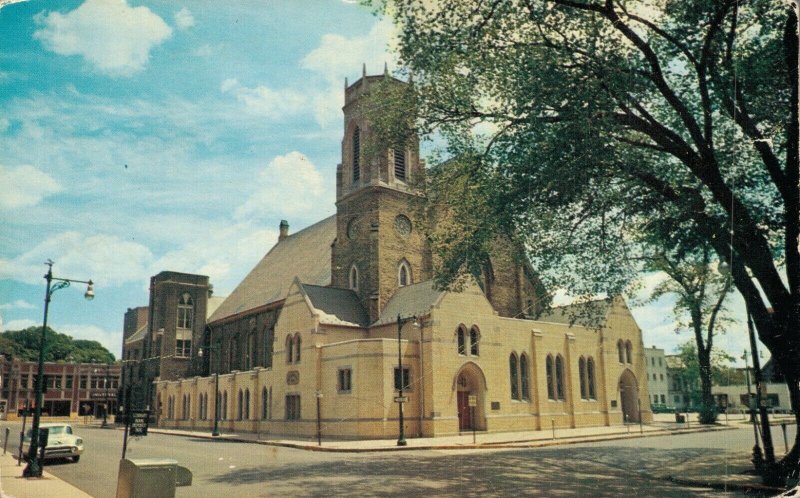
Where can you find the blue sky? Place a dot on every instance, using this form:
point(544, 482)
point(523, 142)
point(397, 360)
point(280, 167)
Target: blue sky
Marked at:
point(143, 136)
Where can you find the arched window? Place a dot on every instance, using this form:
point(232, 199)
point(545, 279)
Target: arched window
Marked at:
point(233, 359)
point(188, 406)
point(269, 337)
point(560, 377)
point(524, 385)
point(356, 154)
point(289, 349)
point(224, 412)
point(551, 389)
point(239, 406)
point(403, 274)
point(462, 338)
point(247, 353)
point(251, 346)
point(621, 351)
point(247, 404)
point(582, 375)
point(185, 312)
point(590, 377)
point(474, 340)
point(297, 348)
point(400, 163)
point(354, 277)
point(512, 370)
point(264, 403)
point(628, 352)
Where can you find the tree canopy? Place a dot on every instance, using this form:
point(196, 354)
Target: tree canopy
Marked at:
point(591, 125)
point(24, 345)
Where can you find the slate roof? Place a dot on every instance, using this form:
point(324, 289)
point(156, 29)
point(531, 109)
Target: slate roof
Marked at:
point(589, 314)
point(138, 335)
point(305, 255)
point(213, 303)
point(411, 300)
point(336, 306)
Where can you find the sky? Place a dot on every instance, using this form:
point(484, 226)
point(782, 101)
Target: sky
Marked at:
point(143, 136)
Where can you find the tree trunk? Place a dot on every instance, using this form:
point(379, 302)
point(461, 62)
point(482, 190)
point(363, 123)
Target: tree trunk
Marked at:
point(708, 412)
point(791, 461)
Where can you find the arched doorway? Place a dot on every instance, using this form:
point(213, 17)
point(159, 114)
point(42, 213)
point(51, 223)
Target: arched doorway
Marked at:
point(629, 396)
point(470, 384)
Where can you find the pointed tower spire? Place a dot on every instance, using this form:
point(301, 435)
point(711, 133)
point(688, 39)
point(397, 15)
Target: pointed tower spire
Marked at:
point(385, 69)
point(364, 70)
point(345, 82)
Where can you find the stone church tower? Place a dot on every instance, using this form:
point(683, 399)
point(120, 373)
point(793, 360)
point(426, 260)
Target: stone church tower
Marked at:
point(378, 247)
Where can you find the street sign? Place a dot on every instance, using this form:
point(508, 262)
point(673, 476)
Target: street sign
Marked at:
point(473, 400)
point(139, 421)
point(401, 399)
point(101, 395)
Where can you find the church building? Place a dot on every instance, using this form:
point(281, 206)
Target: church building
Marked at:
point(339, 329)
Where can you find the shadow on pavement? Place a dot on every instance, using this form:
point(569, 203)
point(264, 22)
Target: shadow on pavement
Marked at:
point(611, 472)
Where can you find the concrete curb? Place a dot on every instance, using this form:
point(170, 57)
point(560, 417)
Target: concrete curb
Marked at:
point(535, 443)
point(724, 486)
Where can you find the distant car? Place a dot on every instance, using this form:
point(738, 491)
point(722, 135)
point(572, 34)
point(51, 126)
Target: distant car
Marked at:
point(61, 442)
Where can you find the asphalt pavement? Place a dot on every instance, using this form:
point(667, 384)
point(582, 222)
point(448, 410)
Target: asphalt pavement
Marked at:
point(621, 467)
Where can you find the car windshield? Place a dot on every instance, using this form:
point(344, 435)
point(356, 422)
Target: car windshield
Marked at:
point(61, 429)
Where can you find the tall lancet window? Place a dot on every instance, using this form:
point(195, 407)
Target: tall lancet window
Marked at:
point(403, 275)
point(356, 154)
point(400, 163)
point(354, 278)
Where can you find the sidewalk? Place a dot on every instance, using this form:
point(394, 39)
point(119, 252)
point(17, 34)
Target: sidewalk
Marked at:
point(13, 485)
point(462, 441)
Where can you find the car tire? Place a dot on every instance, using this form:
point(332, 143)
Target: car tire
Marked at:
point(76, 459)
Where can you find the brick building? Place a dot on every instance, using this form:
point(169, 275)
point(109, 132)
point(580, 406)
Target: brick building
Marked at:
point(315, 323)
point(71, 389)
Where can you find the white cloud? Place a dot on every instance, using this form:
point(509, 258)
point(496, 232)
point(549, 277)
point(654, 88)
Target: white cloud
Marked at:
point(338, 56)
point(109, 34)
point(24, 186)
point(19, 324)
point(289, 185)
point(111, 340)
point(19, 304)
point(264, 101)
point(184, 19)
point(106, 259)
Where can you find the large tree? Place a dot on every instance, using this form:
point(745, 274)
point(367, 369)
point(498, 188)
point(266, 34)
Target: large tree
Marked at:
point(599, 117)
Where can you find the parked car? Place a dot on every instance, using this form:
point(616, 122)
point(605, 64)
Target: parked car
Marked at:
point(61, 442)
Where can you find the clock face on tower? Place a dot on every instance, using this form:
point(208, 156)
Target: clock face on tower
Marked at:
point(402, 225)
point(352, 228)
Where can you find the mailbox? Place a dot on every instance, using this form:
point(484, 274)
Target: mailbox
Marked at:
point(151, 478)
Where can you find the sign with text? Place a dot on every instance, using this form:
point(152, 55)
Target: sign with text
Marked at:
point(138, 423)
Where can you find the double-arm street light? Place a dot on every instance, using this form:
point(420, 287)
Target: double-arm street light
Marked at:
point(401, 440)
point(208, 349)
point(34, 467)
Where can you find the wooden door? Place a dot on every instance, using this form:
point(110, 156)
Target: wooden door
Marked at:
point(464, 419)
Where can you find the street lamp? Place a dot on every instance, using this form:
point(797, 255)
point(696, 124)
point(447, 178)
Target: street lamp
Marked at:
point(401, 440)
point(105, 398)
point(214, 432)
point(34, 467)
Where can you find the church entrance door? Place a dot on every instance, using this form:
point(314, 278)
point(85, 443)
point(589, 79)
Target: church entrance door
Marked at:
point(464, 415)
point(629, 396)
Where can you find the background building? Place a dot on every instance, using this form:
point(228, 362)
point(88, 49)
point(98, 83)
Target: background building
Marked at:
point(71, 390)
point(658, 380)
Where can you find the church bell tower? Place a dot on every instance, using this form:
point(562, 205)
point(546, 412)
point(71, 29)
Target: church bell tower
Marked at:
point(378, 246)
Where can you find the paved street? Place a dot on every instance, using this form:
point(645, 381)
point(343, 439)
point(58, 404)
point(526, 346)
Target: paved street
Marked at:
point(222, 468)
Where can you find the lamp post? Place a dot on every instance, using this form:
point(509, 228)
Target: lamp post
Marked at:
point(34, 467)
point(758, 459)
point(401, 440)
point(215, 431)
point(766, 433)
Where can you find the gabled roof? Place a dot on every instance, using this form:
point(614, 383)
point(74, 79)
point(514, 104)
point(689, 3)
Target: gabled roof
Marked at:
point(411, 300)
point(138, 335)
point(305, 254)
point(590, 314)
point(336, 306)
point(213, 303)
